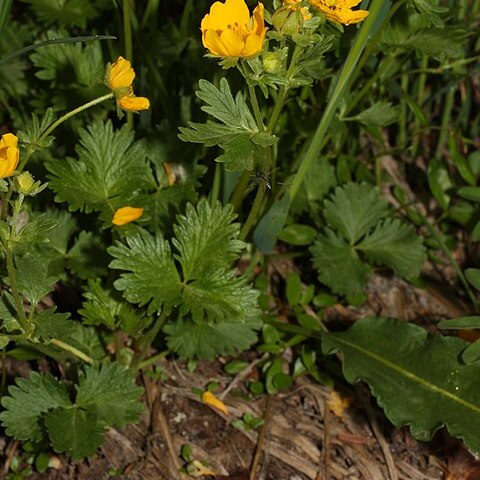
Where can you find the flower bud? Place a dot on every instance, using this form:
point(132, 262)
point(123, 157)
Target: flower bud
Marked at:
point(273, 62)
point(287, 21)
point(26, 185)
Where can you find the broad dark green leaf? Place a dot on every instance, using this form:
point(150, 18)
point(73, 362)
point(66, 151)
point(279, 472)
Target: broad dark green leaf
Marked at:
point(27, 401)
point(416, 378)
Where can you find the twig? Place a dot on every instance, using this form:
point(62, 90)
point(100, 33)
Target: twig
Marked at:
point(261, 439)
point(392, 470)
point(8, 461)
point(326, 441)
point(242, 375)
point(157, 413)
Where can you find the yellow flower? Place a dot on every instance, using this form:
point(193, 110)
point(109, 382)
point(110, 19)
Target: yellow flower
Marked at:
point(229, 31)
point(210, 399)
point(8, 155)
point(119, 78)
point(340, 11)
point(295, 5)
point(125, 215)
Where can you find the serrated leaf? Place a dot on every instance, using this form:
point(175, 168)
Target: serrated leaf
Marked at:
point(49, 324)
point(338, 264)
point(27, 401)
point(75, 431)
point(200, 340)
point(152, 277)
point(222, 105)
point(105, 307)
point(239, 154)
point(390, 356)
point(87, 257)
point(394, 244)
point(109, 392)
point(354, 209)
point(380, 114)
point(210, 133)
point(87, 340)
point(35, 231)
point(110, 169)
point(219, 296)
point(206, 239)
point(32, 276)
point(65, 12)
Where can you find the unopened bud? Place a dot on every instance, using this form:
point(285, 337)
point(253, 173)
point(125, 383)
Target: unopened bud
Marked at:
point(273, 62)
point(26, 185)
point(287, 20)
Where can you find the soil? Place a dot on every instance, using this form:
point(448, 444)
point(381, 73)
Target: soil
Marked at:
point(301, 439)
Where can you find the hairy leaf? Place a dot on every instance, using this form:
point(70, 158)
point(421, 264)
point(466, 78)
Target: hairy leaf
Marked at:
point(202, 340)
point(338, 264)
point(27, 401)
point(395, 245)
point(206, 239)
point(417, 379)
point(49, 324)
point(76, 432)
point(109, 171)
point(152, 277)
point(354, 209)
point(109, 392)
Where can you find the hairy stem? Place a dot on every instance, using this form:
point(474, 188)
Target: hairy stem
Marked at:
point(75, 351)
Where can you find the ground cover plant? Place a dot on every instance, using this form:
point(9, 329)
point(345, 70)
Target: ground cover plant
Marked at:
point(158, 158)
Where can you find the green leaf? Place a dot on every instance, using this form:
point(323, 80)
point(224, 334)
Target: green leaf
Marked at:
point(440, 182)
point(86, 258)
point(109, 171)
point(395, 245)
point(354, 209)
point(27, 401)
point(105, 307)
point(49, 324)
point(220, 296)
point(470, 193)
point(206, 239)
point(35, 231)
point(473, 276)
point(298, 235)
point(210, 133)
point(472, 353)
point(338, 264)
point(380, 114)
point(239, 154)
point(152, 277)
point(109, 392)
point(32, 277)
point(76, 432)
point(222, 105)
point(460, 323)
point(390, 356)
point(65, 12)
point(200, 340)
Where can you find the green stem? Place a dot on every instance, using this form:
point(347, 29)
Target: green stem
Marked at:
point(3, 382)
point(73, 350)
point(256, 108)
point(153, 359)
point(254, 212)
point(147, 341)
point(70, 114)
point(127, 32)
point(446, 116)
point(239, 191)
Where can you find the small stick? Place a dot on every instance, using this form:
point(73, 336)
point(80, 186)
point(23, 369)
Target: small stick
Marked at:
point(8, 461)
point(261, 439)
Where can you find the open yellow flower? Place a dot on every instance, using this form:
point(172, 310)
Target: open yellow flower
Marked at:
point(119, 78)
point(229, 30)
point(340, 11)
point(125, 215)
point(8, 155)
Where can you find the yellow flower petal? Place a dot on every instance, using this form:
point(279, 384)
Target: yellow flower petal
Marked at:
point(9, 155)
point(133, 103)
point(229, 31)
point(201, 470)
point(340, 11)
point(121, 74)
point(339, 404)
point(210, 399)
point(125, 215)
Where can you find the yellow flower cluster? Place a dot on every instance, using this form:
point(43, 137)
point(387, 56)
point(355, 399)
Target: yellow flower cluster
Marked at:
point(340, 11)
point(229, 30)
point(296, 5)
point(119, 78)
point(9, 155)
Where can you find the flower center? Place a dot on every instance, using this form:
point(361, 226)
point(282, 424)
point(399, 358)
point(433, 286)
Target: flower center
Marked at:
point(239, 30)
